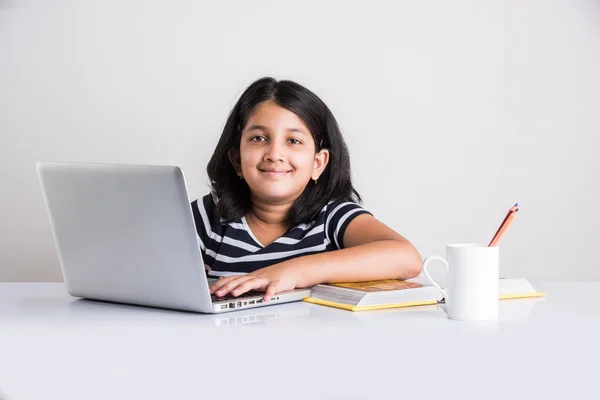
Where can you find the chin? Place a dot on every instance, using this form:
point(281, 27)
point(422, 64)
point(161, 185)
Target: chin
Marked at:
point(274, 194)
point(275, 197)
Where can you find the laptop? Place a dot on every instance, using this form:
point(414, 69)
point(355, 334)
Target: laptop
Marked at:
point(125, 233)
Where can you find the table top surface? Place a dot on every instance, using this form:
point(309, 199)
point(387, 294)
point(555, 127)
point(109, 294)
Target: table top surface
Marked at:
point(54, 345)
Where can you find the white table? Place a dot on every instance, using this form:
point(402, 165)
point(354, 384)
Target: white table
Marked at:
point(53, 346)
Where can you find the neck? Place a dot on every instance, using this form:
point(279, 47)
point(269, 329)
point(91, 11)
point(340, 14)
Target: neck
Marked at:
point(271, 215)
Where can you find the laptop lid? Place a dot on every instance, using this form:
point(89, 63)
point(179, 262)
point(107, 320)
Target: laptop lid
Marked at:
point(125, 233)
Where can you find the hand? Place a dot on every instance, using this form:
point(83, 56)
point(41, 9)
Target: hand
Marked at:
point(274, 279)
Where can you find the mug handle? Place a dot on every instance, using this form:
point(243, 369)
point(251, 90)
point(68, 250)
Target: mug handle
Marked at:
point(425, 262)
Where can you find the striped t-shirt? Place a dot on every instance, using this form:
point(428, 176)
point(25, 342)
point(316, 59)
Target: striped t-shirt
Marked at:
point(231, 248)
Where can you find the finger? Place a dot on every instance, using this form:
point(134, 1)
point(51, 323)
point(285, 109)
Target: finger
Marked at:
point(220, 283)
point(223, 281)
point(232, 284)
point(271, 290)
point(254, 283)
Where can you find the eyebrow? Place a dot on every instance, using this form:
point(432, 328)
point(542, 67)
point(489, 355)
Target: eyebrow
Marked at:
point(265, 129)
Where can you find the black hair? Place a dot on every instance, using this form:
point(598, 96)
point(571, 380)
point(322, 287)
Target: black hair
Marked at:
point(334, 183)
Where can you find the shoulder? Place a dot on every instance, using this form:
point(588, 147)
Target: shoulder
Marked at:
point(207, 202)
point(203, 209)
point(338, 215)
point(339, 208)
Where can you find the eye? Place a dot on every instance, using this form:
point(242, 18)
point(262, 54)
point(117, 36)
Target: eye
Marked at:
point(257, 139)
point(295, 141)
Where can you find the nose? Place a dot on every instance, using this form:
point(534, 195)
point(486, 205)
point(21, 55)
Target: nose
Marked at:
point(275, 152)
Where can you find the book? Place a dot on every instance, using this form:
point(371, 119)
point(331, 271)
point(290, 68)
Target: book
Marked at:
point(394, 293)
point(517, 288)
point(374, 295)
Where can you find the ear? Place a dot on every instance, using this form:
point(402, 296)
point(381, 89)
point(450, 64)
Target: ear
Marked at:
point(321, 160)
point(234, 158)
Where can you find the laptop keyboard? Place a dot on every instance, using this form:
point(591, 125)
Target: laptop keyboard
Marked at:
point(251, 293)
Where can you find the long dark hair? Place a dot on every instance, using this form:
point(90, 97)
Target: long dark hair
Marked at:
point(334, 183)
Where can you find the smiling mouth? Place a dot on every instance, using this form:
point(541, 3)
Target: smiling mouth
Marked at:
point(274, 174)
point(270, 171)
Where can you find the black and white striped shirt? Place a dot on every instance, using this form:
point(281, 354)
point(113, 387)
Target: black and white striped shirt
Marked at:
point(229, 249)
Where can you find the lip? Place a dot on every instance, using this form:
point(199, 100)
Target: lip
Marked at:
point(273, 172)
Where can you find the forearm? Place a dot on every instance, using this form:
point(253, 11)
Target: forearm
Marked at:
point(384, 259)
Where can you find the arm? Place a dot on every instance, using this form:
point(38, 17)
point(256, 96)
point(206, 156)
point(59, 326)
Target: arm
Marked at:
point(372, 251)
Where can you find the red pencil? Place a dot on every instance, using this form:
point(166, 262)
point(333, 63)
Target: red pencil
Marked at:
point(504, 225)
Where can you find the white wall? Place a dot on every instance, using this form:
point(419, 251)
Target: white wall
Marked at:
point(453, 110)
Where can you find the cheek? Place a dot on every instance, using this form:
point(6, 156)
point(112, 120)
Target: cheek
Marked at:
point(304, 163)
point(249, 158)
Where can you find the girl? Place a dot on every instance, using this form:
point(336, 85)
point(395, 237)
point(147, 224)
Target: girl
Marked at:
point(282, 212)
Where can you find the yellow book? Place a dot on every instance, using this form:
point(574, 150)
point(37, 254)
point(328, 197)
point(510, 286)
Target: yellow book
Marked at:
point(395, 293)
point(517, 288)
point(367, 308)
point(374, 295)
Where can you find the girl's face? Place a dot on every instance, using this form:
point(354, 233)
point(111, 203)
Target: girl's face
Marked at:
point(277, 155)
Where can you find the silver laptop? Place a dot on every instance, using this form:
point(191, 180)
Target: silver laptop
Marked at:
point(126, 233)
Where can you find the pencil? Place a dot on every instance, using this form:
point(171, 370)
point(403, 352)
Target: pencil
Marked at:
point(512, 209)
point(504, 225)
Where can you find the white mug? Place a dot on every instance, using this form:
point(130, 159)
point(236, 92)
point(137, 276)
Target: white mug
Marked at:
point(471, 292)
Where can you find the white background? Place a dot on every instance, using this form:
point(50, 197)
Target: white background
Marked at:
point(452, 110)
